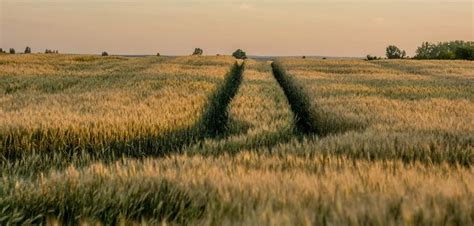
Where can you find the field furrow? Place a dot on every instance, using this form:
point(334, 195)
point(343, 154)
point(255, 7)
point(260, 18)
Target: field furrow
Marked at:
point(259, 115)
point(309, 118)
point(214, 121)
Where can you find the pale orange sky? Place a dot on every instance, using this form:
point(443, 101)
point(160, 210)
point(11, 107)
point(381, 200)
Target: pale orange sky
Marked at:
point(261, 27)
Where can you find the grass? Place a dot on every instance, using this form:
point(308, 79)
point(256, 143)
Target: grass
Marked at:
point(235, 153)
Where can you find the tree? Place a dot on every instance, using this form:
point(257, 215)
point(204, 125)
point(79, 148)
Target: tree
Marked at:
point(2, 51)
point(158, 54)
point(465, 53)
point(240, 54)
point(27, 50)
point(445, 50)
point(198, 52)
point(446, 54)
point(425, 51)
point(105, 54)
point(394, 52)
point(12, 51)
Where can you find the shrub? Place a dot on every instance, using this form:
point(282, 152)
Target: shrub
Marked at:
point(370, 57)
point(198, 52)
point(158, 54)
point(394, 52)
point(105, 54)
point(27, 50)
point(240, 54)
point(304, 57)
point(12, 51)
point(2, 51)
point(48, 51)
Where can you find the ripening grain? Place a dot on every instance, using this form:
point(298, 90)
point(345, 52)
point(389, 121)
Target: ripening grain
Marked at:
point(234, 154)
point(250, 188)
point(425, 116)
point(126, 102)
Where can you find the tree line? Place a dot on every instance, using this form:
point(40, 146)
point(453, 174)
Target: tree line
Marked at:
point(452, 50)
point(239, 54)
point(446, 50)
point(27, 51)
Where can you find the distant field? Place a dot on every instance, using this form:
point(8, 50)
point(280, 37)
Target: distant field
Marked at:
point(203, 141)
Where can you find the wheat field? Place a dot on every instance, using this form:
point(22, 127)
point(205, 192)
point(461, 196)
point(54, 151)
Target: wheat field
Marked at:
point(408, 110)
point(206, 141)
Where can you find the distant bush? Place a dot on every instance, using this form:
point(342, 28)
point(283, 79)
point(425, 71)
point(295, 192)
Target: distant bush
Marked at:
point(2, 51)
point(304, 57)
point(324, 58)
point(27, 50)
point(370, 57)
point(240, 54)
point(105, 54)
point(158, 54)
point(394, 52)
point(12, 51)
point(446, 50)
point(198, 52)
point(49, 51)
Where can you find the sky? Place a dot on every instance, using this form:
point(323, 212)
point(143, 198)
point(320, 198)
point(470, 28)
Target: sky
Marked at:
point(350, 28)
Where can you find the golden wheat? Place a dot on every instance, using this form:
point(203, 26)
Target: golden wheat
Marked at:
point(427, 112)
point(407, 161)
point(256, 189)
point(137, 98)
